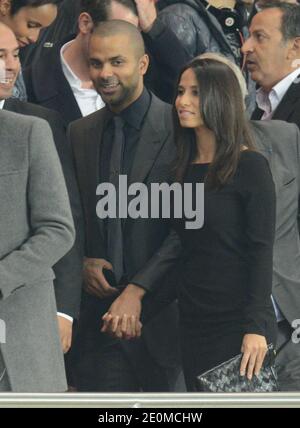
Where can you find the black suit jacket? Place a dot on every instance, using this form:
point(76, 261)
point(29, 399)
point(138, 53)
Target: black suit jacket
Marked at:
point(288, 108)
point(47, 86)
point(68, 270)
point(151, 248)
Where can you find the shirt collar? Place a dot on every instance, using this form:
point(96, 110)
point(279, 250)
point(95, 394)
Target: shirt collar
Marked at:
point(73, 80)
point(135, 113)
point(277, 92)
point(2, 104)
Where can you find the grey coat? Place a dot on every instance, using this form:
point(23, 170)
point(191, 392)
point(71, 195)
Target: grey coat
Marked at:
point(36, 230)
point(279, 142)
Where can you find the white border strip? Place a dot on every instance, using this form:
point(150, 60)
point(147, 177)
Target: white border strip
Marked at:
point(149, 400)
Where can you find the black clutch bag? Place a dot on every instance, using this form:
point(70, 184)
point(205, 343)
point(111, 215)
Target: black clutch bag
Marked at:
point(226, 377)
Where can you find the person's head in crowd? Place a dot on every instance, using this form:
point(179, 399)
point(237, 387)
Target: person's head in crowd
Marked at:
point(117, 62)
point(273, 47)
point(105, 10)
point(95, 11)
point(9, 61)
point(210, 104)
point(27, 18)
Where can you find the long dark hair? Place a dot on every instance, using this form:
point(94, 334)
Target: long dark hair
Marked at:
point(16, 5)
point(222, 110)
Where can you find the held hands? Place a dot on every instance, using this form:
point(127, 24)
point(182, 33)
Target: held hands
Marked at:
point(147, 14)
point(123, 317)
point(254, 349)
point(94, 281)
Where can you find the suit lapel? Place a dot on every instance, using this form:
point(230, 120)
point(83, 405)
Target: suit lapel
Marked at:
point(92, 154)
point(56, 92)
point(287, 104)
point(65, 98)
point(152, 139)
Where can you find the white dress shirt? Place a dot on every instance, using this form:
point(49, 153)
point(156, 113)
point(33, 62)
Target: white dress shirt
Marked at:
point(88, 100)
point(268, 102)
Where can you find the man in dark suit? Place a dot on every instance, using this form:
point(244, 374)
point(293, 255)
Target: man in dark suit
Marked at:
point(140, 251)
point(69, 89)
point(273, 59)
point(68, 269)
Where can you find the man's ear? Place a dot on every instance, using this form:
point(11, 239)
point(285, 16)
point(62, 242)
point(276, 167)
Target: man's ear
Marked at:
point(297, 44)
point(144, 64)
point(5, 7)
point(85, 23)
point(294, 50)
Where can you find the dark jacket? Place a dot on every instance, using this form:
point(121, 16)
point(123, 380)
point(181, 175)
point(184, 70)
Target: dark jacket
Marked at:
point(288, 108)
point(199, 31)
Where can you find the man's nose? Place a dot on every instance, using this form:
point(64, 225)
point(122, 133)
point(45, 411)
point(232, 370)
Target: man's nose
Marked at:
point(106, 71)
point(247, 46)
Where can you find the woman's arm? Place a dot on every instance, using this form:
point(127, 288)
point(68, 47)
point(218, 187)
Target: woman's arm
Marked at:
point(258, 192)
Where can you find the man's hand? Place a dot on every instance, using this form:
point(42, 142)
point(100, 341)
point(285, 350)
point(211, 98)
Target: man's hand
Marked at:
point(93, 279)
point(254, 348)
point(147, 14)
point(123, 317)
point(65, 327)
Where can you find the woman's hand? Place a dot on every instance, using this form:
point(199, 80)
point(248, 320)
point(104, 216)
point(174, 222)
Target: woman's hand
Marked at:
point(254, 348)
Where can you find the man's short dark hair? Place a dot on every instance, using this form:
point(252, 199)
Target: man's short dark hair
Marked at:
point(16, 5)
point(117, 27)
point(290, 22)
point(99, 10)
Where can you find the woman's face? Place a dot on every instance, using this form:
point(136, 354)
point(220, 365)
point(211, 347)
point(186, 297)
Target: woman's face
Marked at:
point(29, 21)
point(188, 101)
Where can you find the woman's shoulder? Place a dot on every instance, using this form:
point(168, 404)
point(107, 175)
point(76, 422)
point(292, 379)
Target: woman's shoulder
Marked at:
point(252, 159)
point(253, 167)
point(252, 156)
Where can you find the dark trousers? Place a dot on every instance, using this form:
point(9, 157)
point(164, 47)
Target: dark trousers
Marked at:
point(113, 367)
point(104, 364)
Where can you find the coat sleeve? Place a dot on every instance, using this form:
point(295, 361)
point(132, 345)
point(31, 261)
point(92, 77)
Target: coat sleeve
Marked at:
point(259, 200)
point(151, 275)
point(49, 216)
point(68, 270)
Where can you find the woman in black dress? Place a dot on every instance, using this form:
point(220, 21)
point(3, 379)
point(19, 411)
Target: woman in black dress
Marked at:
point(225, 273)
